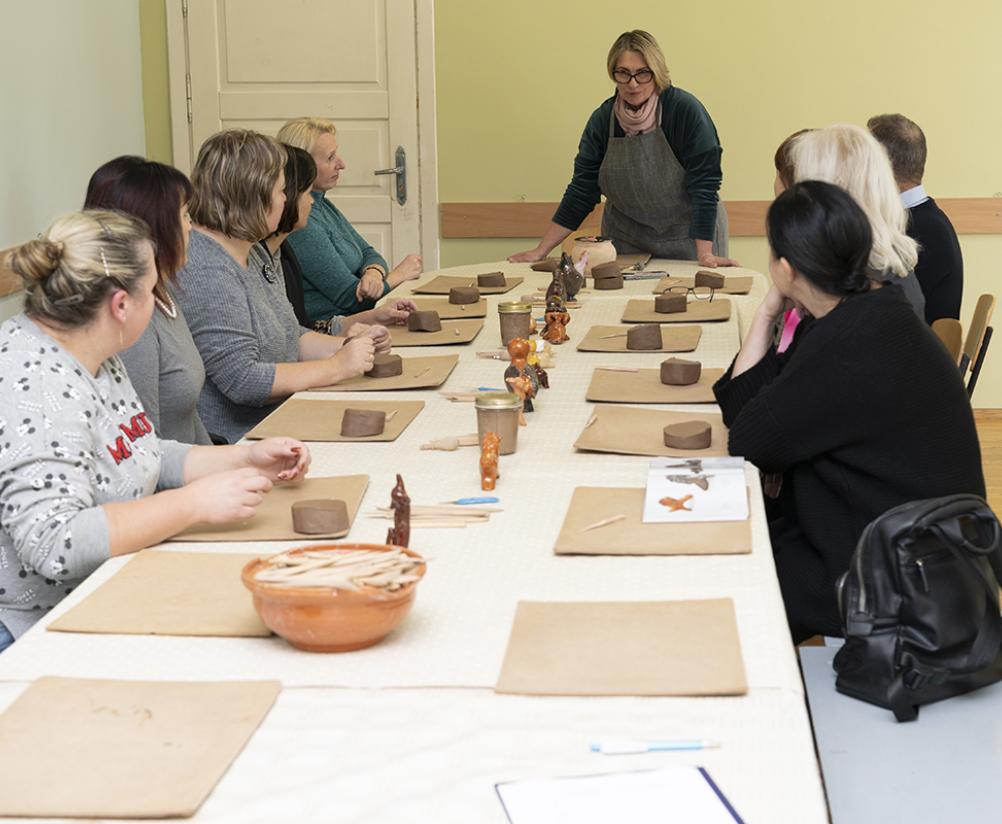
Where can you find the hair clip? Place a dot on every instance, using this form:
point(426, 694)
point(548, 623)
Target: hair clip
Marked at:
point(69, 300)
point(104, 260)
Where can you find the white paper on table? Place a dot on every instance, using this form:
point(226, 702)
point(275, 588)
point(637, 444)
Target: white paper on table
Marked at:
point(725, 499)
point(658, 796)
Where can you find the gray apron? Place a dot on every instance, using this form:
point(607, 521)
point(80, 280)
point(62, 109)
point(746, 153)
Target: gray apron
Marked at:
point(647, 208)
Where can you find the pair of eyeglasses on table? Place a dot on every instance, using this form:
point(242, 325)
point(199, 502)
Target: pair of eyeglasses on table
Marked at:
point(699, 292)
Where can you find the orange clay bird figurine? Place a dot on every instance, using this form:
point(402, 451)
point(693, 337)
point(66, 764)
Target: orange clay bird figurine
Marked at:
point(489, 460)
point(676, 504)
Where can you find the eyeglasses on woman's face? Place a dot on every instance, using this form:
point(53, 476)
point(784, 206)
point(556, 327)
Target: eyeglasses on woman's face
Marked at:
point(624, 76)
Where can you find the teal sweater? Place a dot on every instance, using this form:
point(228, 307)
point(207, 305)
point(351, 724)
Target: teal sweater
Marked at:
point(332, 256)
point(692, 137)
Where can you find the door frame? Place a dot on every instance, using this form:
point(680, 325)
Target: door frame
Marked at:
point(424, 15)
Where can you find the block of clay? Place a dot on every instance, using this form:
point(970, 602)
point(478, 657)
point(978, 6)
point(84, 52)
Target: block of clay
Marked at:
point(606, 284)
point(320, 517)
point(491, 279)
point(669, 304)
point(361, 423)
point(464, 294)
point(645, 336)
point(711, 279)
point(424, 321)
point(386, 366)
point(607, 270)
point(688, 435)
point(546, 265)
point(679, 372)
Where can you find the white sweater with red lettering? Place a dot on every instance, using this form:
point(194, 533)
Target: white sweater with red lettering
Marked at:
point(69, 442)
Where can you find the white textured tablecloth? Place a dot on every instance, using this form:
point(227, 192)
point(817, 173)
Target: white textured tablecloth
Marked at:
point(396, 754)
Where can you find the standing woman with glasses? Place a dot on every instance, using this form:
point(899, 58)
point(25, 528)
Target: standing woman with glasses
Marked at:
point(653, 151)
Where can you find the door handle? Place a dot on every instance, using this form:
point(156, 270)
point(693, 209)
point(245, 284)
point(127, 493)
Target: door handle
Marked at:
point(400, 170)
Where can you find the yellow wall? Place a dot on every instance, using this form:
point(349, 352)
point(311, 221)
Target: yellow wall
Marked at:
point(156, 91)
point(517, 80)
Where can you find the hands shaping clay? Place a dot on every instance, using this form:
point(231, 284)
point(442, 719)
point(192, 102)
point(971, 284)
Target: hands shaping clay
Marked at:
point(361, 423)
point(711, 279)
point(320, 517)
point(669, 304)
point(688, 435)
point(607, 284)
point(646, 336)
point(679, 372)
point(386, 366)
point(460, 295)
point(424, 321)
point(491, 279)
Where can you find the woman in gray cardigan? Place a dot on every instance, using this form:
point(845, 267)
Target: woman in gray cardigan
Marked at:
point(81, 464)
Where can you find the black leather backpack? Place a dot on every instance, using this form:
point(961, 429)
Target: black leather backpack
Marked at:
point(920, 605)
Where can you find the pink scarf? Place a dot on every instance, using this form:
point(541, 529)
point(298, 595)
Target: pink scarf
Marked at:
point(640, 120)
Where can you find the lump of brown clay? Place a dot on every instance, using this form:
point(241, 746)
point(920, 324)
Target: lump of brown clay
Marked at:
point(320, 517)
point(609, 283)
point(491, 279)
point(607, 270)
point(645, 336)
point(460, 295)
point(688, 435)
point(386, 366)
point(546, 265)
point(361, 423)
point(670, 304)
point(679, 372)
point(711, 279)
point(424, 321)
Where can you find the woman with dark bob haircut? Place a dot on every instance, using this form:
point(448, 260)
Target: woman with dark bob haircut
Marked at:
point(864, 411)
point(163, 365)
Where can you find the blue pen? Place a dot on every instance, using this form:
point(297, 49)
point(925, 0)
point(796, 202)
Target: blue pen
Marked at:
point(472, 501)
point(490, 389)
point(628, 747)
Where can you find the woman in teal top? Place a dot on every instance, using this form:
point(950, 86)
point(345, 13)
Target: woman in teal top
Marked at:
point(653, 151)
point(342, 273)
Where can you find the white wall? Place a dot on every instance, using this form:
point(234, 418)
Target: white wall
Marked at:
point(70, 99)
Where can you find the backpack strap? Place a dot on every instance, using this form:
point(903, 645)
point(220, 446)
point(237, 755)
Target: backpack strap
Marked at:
point(899, 700)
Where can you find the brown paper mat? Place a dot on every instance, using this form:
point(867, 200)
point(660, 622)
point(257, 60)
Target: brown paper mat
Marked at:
point(320, 420)
point(419, 373)
point(630, 430)
point(628, 261)
point(733, 284)
point(673, 339)
point(451, 311)
point(632, 536)
point(88, 748)
point(644, 386)
point(624, 648)
point(443, 283)
point(170, 593)
point(467, 331)
point(698, 311)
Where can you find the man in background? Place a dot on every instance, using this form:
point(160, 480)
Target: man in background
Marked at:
point(940, 267)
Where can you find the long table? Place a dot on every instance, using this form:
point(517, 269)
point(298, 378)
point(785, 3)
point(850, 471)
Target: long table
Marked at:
point(410, 730)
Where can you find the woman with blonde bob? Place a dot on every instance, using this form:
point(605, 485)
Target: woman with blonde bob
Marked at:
point(342, 273)
point(81, 464)
point(255, 352)
point(653, 151)
point(850, 157)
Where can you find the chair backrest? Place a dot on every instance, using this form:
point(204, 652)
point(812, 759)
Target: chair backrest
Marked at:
point(979, 323)
point(951, 333)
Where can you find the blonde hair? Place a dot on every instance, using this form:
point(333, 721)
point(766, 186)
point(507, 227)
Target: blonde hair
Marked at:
point(851, 157)
point(232, 183)
point(303, 132)
point(648, 48)
point(82, 258)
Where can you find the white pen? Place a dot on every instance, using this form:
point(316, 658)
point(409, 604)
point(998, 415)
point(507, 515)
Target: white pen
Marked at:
point(627, 747)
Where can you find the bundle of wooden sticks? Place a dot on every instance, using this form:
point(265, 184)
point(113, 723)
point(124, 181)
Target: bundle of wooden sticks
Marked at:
point(353, 569)
point(442, 515)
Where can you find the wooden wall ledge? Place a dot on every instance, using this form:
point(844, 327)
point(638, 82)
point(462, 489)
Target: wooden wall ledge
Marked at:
point(970, 216)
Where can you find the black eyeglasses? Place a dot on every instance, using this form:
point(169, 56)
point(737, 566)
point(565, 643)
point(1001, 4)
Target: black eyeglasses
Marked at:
point(699, 292)
point(624, 76)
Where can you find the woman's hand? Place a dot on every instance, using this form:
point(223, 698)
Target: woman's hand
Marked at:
point(410, 268)
point(713, 261)
point(529, 256)
point(279, 459)
point(228, 496)
point(774, 304)
point(370, 285)
point(354, 358)
point(379, 335)
point(393, 313)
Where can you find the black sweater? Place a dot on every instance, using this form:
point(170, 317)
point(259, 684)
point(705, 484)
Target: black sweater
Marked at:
point(864, 412)
point(940, 267)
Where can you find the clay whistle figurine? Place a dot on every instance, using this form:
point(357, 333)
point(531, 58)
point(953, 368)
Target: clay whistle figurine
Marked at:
point(533, 361)
point(489, 461)
point(522, 387)
point(557, 287)
point(400, 502)
point(518, 350)
point(572, 277)
point(557, 317)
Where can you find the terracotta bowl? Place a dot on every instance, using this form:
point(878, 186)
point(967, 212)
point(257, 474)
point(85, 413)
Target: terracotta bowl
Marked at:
point(324, 619)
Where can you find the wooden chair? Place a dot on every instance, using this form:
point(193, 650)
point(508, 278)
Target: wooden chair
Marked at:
point(951, 333)
point(979, 335)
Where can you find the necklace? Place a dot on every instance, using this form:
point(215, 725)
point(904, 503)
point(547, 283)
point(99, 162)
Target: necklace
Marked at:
point(168, 308)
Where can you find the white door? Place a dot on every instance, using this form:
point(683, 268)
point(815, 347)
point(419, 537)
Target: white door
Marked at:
point(256, 63)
